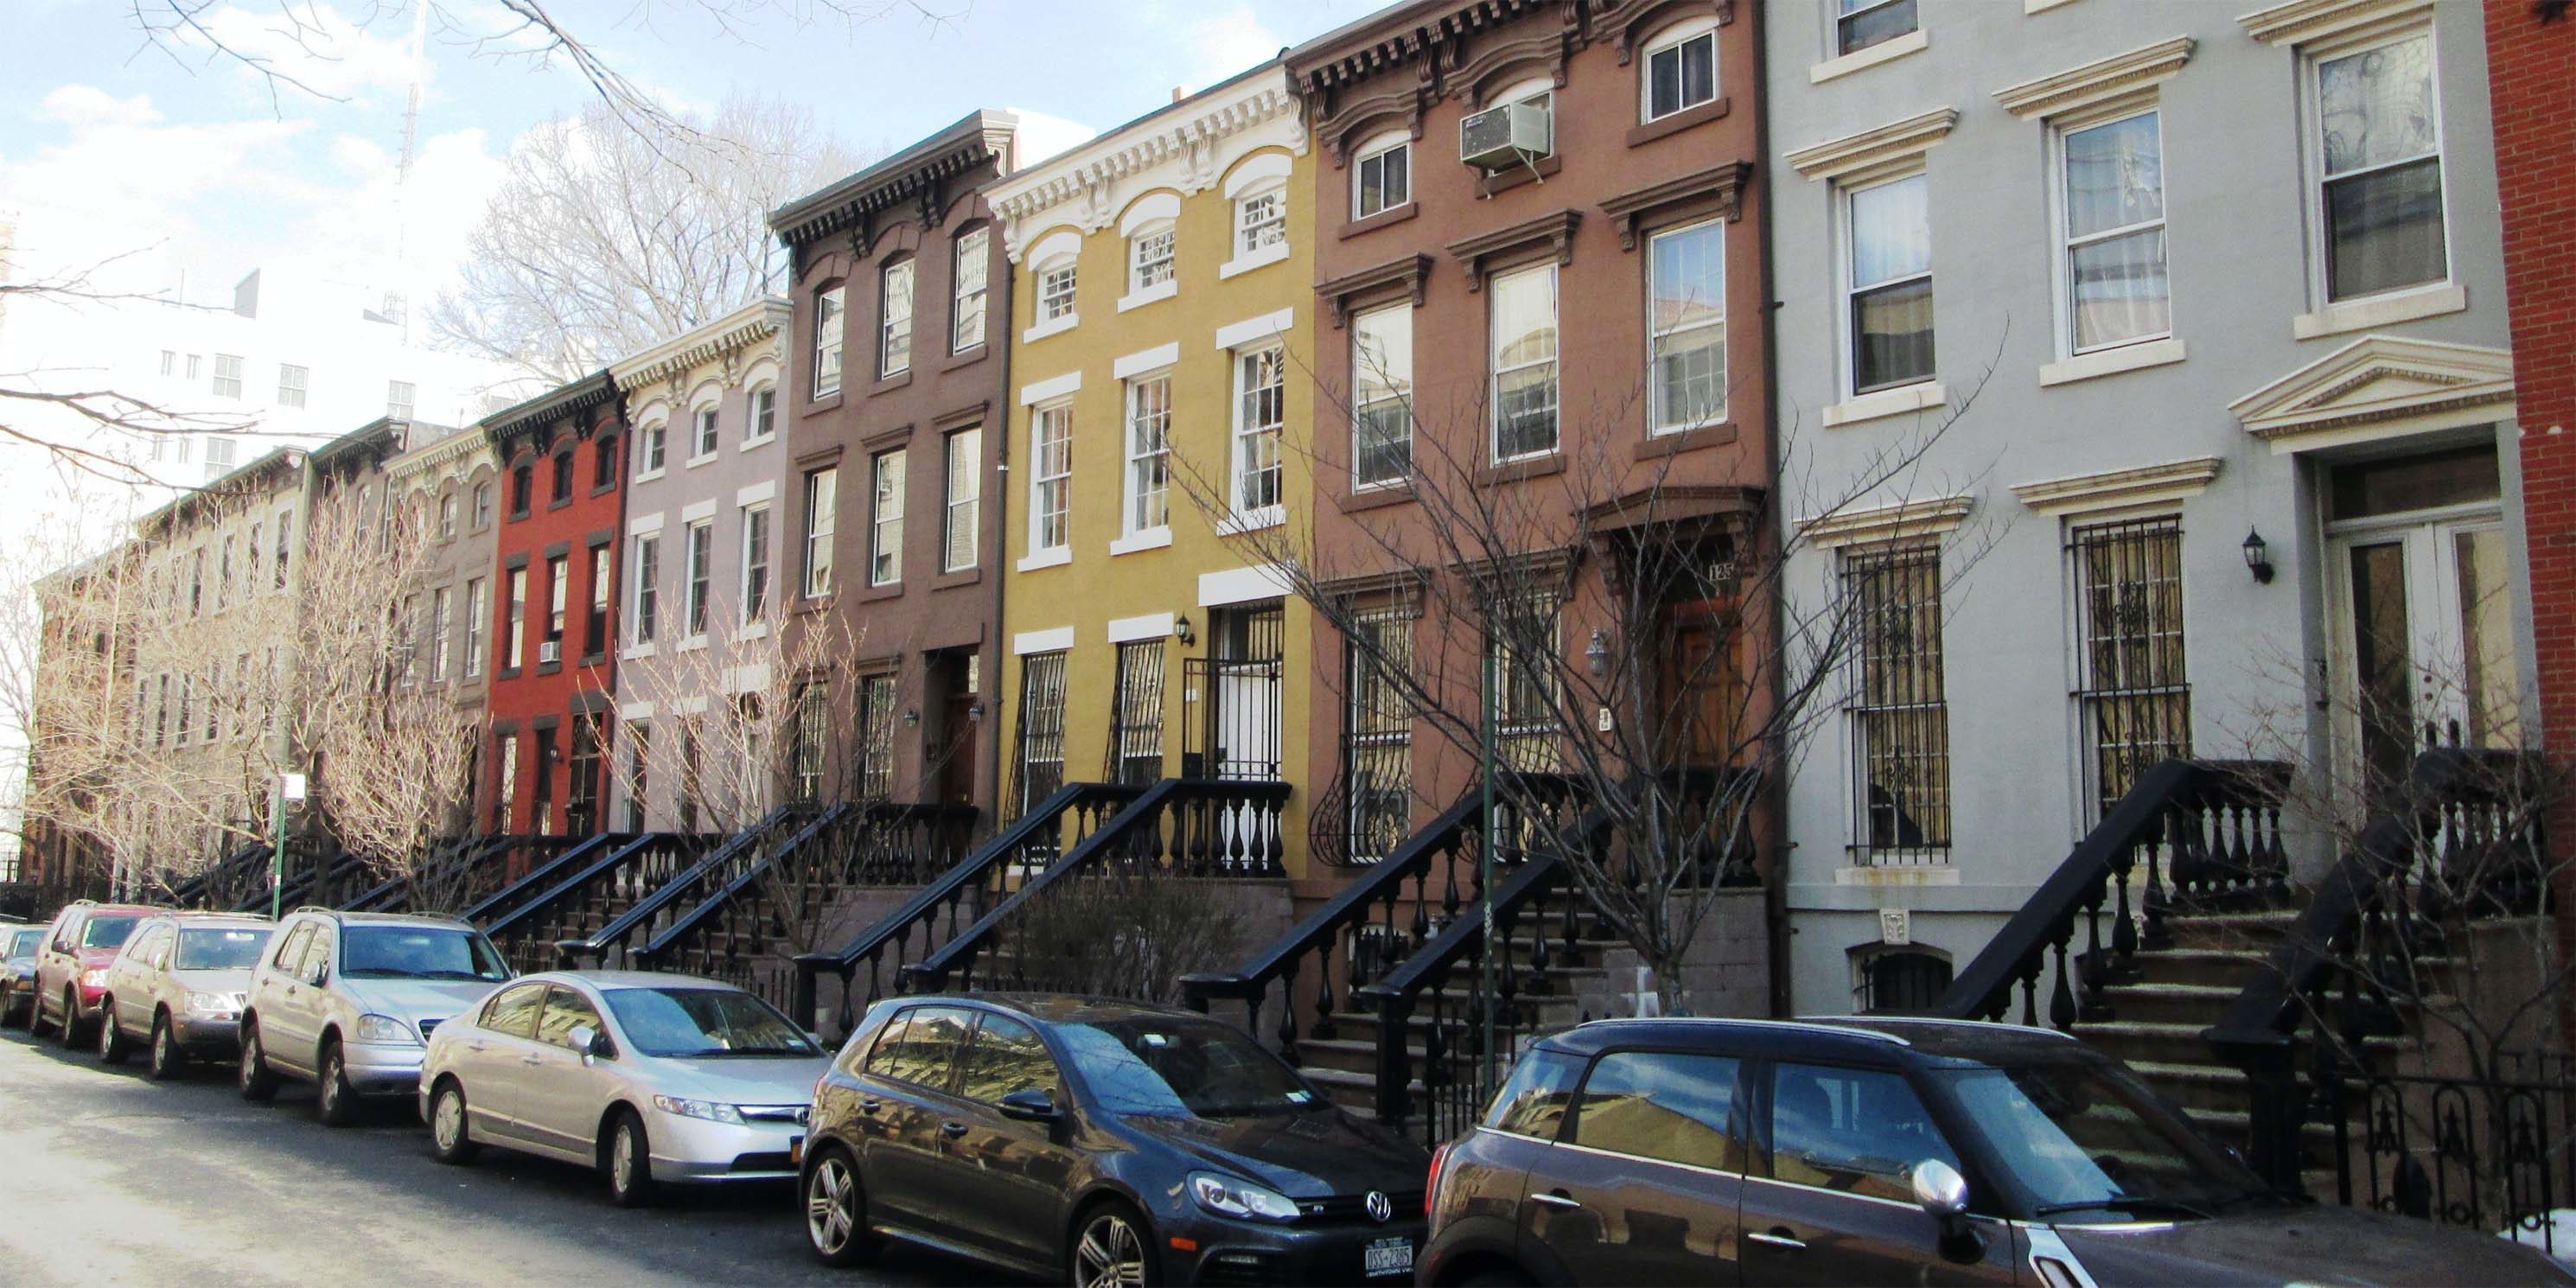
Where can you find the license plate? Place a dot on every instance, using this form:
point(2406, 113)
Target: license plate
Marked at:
point(1387, 1257)
point(795, 1151)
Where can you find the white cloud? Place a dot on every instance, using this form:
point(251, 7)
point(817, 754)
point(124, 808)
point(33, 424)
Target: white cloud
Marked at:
point(1223, 42)
point(313, 45)
point(123, 178)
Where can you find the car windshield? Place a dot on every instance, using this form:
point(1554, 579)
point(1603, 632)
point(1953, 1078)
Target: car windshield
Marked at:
point(418, 952)
point(212, 949)
point(2088, 1144)
point(23, 943)
point(694, 1022)
point(107, 932)
point(1158, 1064)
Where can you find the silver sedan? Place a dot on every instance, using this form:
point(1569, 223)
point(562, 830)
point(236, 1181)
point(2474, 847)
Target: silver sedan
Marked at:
point(649, 1077)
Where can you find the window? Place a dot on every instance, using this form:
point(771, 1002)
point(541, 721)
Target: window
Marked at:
point(1260, 220)
point(1533, 1102)
point(562, 491)
point(196, 581)
point(1521, 646)
point(1377, 733)
point(558, 594)
point(1686, 325)
point(441, 601)
point(1890, 293)
point(508, 783)
point(966, 304)
point(2381, 201)
point(514, 649)
point(1381, 179)
point(1041, 753)
point(763, 415)
point(885, 530)
point(965, 493)
point(581, 803)
point(1663, 1105)
point(514, 1013)
point(697, 550)
point(1260, 410)
point(482, 506)
point(292, 381)
point(169, 362)
point(398, 399)
point(1051, 477)
point(219, 457)
point(1149, 446)
point(1859, 24)
point(1005, 1057)
point(522, 476)
point(894, 331)
point(1898, 981)
point(827, 341)
point(1136, 715)
point(639, 773)
point(821, 498)
point(755, 562)
point(193, 360)
point(648, 593)
point(691, 781)
point(651, 443)
point(250, 563)
point(2114, 211)
point(1539, 93)
point(1055, 290)
point(2133, 694)
point(876, 736)
point(228, 375)
point(1150, 255)
point(477, 603)
point(805, 726)
point(223, 573)
point(594, 626)
point(1858, 1131)
point(543, 797)
point(1524, 354)
point(1899, 713)
point(1382, 394)
point(446, 518)
point(1681, 69)
point(702, 439)
point(921, 1045)
point(603, 463)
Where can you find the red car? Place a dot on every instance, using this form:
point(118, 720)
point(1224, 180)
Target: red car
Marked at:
point(71, 965)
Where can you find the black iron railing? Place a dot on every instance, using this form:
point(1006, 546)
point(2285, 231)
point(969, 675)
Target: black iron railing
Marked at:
point(541, 877)
point(219, 883)
point(590, 895)
point(614, 941)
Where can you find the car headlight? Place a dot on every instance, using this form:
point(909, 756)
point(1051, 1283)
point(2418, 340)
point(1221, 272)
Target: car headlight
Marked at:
point(93, 979)
point(386, 1029)
point(219, 1004)
point(1226, 1196)
point(707, 1109)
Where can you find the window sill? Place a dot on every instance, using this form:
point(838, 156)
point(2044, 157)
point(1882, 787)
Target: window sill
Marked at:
point(559, 503)
point(696, 461)
point(2041, 6)
point(1051, 326)
point(648, 476)
point(2380, 310)
point(1149, 539)
point(967, 359)
point(638, 653)
point(1159, 291)
point(690, 644)
point(1527, 467)
point(814, 603)
point(749, 444)
point(1274, 253)
point(1390, 215)
point(1661, 126)
point(954, 580)
point(752, 631)
point(1243, 521)
point(1056, 558)
point(506, 673)
point(1886, 402)
point(1673, 442)
point(1377, 496)
point(821, 403)
point(517, 515)
point(549, 668)
point(598, 490)
point(891, 383)
point(890, 590)
point(2111, 362)
point(1520, 175)
point(1885, 51)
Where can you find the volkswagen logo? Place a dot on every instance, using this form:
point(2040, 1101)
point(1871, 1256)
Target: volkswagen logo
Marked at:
point(1379, 1209)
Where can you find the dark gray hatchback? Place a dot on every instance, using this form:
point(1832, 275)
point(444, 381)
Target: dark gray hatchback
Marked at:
point(1867, 1152)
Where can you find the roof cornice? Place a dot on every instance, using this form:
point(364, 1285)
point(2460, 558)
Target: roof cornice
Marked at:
point(464, 443)
point(565, 400)
point(915, 172)
point(1183, 137)
point(759, 320)
point(1387, 41)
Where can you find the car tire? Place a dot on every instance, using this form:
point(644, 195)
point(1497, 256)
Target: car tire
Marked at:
point(69, 1032)
point(1112, 1244)
point(166, 1061)
point(9, 1009)
point(449, 1138)
point(1496, 1277)
point(836, 1210)
point(112, 1046)
point(257, 1082)
point(334, 1101)
point(626, 1154)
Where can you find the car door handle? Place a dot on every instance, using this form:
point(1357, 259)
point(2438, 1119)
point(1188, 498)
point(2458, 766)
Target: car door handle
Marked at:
point(1778, 1236)
point(869, 1105)
point(476, 1047)
point(952, 1130)
point(1557, 1199)
point(532, 1058)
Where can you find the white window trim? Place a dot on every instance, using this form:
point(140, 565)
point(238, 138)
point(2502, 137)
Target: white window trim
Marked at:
point(949, 501)
point(1405, 479)
point(1145, 362)
point(1045, 556)
point(1377, 146)
point(1159, 291)
point(1886, 402)
point(957, 294)
point(1274, 253)
point(910, 271)
point(1494, 373)
point(742, 563)
point(751, 418)
point(877, 518)
point(1050, 389)
point(755, 493)
point(1149, 626)
point(1718, 414)
point(1149, 539)
point(1885, 51)
point(706, 607)
point(2061, 272)
point(697, 458)
point(1133, 370)
point(1059, 249)
point(2136, 355)
point(2423, 299)
point(1054, 639)
point(643, 475)
point(1239, 519)
point(1055, 558)
point(1857, 405)
point(838, 342)
point(1680, 33)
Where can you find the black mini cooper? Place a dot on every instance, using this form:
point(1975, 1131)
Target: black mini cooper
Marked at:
point(1108, 1142)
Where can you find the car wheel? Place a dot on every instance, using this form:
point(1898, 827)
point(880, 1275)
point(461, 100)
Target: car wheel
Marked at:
point(167, 1059)
point(8, 1007)
point(1495, 1277)
point(836, 1214)
point(258, 1082)
point(1112, 1247)
point(112, 1046)
point(338, 1101)
point(69, 1033)
point(447, 1135)
point(630, 1161)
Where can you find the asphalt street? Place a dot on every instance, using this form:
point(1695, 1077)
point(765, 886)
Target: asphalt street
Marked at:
point(109, 1178)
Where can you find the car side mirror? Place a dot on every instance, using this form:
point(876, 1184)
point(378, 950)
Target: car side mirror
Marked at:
point(591, 1042)
point(1943, 1194)
point(1031, 1105)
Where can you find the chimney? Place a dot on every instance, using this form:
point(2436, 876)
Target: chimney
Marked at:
point(1176, 93)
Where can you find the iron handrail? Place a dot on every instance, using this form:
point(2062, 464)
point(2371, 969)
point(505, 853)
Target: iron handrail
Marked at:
point(540, 878)
point(688, 922)
point(678, 887)
point(581, 879)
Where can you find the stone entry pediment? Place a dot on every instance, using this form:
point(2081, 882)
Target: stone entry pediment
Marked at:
point(2380, 386)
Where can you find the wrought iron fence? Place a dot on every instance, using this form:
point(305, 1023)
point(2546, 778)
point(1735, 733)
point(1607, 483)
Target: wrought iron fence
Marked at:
point(2492, 1154)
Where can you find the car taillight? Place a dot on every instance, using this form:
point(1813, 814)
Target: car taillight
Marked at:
point(1431, 1183)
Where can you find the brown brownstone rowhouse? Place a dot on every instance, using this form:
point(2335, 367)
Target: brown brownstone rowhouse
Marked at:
point(878, 413)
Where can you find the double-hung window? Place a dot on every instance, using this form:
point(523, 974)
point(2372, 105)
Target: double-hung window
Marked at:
point(1686, 327)
point(894, 326)
point(966, 307)
point(399, 396)
point(1859, 24)
point(1260, 411)
point(515, 647)
point(1382, 177)
point(885, 525)
point(446, 521)
point(1261, 220)
point(2380, 199)
point(478, 603)
point(594, 626)
point(762, 409)
point(1681, 69)
point(1055, 289)
point(2114, 210)
point(964, 496)
point(1150, 255)
point(651, 445)
point(1040, 767)
point(876, 736)
point(1524, 362)
point(603, 463)
point(1898, 711)
point(702, 440)
point(1888, 300)
point(697, 550)
point(1377, 733)
point(558, 593)
point(1149, 448)
point(822, 497)
point(292, 382)
point(1050, 477)
point(811, 708)
point(755, 562)
point(648, 589)
point(2135, 694)
point(441, 601)
point(827, 341)
point(228, 375)
point(1382, 396)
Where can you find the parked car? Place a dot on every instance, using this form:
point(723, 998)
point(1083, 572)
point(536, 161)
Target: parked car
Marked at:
point(178, 986)
point(1110, 1142)
point(652, 1078)
point(18, 945)
point(348, 1000)
point(71, 963)
point(1883, 1151)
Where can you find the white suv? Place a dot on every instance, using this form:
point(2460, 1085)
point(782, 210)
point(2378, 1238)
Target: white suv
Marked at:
point(347, 1000)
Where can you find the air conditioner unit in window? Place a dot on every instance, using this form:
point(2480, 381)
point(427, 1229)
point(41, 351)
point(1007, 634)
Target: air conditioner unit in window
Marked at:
point(549, 651)
point(1499, 138)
